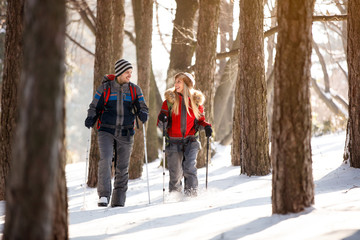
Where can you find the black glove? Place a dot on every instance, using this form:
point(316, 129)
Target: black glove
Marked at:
point(90, 121)
point(143, 116)
point(208, 131)
point(163, 117)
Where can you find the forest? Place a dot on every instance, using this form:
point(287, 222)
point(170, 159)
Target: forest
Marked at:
point(275, 74)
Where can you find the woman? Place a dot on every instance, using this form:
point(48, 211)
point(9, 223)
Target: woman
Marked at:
point(183, 115)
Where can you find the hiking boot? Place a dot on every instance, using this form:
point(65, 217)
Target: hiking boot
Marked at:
point(117, 205)
point(103, 202)
point(118, 198)
point(190, 192)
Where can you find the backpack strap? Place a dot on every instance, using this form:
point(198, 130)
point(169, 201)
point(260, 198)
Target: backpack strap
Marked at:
point(106, 95)
point(133, 99)
point(133, 92)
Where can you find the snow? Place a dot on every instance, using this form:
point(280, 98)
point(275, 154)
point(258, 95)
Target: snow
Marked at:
point(233, 207)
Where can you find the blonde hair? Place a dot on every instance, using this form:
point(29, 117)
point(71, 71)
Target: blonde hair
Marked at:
point(187, 93)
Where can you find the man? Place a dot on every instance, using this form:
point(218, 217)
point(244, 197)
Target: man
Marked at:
point(116, 104)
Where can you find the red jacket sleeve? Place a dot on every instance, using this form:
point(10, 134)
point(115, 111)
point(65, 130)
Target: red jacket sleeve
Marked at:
point(164, 109)
point(201, 120)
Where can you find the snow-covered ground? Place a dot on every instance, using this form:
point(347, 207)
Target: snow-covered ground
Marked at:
point(233, 207)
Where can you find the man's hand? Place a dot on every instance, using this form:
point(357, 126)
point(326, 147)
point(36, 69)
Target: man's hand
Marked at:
point(90, 121)
point(143, 116)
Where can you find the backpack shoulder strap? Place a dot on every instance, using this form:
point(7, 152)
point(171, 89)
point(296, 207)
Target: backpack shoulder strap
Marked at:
point(133, 99)
point(133, 92)
point(107, 86)
point(106, 93)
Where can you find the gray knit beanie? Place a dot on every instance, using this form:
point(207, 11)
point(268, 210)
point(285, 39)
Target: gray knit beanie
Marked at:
point(122, 66)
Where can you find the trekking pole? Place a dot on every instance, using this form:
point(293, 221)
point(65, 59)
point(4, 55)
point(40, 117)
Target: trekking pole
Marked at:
point(146, 162)
point(164, 144)
point(86, 169)
point(207, 160)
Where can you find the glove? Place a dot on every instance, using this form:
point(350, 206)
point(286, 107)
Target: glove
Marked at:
point(163, 117)
point(89, 122)
point(208, 131)
point(143, 116)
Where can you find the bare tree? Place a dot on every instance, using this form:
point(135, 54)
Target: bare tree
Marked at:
point(353, 52)
point(250, 116)
point(3, 8)
point(270, 65)
point(292, 182)
point(224, 92)
point(118, 21)
point(143, 13)
point(60, 228)
point(206, 61)
point(183, 42)
point(85, 13)
point(31, 194)
point(225, 30)
point(9, 90)
point(224, 96)
point(152, 138)
point(103, 65)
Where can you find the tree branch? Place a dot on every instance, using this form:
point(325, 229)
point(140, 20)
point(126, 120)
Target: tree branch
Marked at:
point(131, 36)
point(158, 27)
point(79, 45)
point(84, 14)
point(273, 30)
point(329, 18)
point(328, 100)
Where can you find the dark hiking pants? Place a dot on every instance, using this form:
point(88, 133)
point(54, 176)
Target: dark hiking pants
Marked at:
point(124, 146)
point(181, 160)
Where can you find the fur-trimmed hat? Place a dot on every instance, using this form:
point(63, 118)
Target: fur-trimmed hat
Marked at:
point(122, 66)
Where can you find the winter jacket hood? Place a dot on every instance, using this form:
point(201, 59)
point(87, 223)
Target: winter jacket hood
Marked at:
point(198, 96)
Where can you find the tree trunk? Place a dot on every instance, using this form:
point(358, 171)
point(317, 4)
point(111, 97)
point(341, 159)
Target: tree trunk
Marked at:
point(205, 62)
point(103, 65)
point(224, 96)
point(332, 106)
point(152, 138)
point(9, 90)
point(143, 13)
point(31, 193)
point(250, 94)
point(270, 68)
point(3, 15)
point(226, 32)
point(118, 21)
point(182, 44)
point(353, 52)
point(292, 182)
point(323, 66)
point(60, 221)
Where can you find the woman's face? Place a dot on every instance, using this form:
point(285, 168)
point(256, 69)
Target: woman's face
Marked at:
point(179, 85)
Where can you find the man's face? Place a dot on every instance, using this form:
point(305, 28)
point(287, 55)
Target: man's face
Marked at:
point(125, 77)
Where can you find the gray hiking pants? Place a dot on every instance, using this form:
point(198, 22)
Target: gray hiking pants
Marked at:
point(124, 146)
point(181, 161)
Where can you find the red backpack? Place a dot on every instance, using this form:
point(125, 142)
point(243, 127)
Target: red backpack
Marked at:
point(107, 92)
